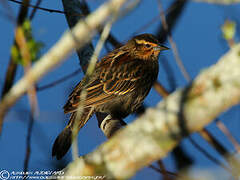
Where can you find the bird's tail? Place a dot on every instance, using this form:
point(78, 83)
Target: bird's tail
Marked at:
point(64, 140)
point(62, 143)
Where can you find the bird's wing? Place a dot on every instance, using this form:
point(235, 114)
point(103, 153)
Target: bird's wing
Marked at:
point(112, 77)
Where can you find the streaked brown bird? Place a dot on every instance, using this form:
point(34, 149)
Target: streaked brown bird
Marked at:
point(118, 86)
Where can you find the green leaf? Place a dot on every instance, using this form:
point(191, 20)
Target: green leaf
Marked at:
point(33, 45)
point(228, 29)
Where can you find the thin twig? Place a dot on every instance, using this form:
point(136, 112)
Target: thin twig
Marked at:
point(40, 8)
point(56, 82)
point(35, 9)
point(161, 171)
point(210, 157)
point(145, 26)
point(9, 77)
point(173, 8)
point(220, 2)
point(173, 14)
point(160, 89)
point(227, 133)
point(45, 9)
point(28, 143)
point(173, 44)
point(231, 160)
point(171, 79)
point(164, 171)
point(211, 140)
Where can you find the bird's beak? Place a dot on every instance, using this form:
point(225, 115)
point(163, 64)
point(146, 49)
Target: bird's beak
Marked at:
point(160, 48)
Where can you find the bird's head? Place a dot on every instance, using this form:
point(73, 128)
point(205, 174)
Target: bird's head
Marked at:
point(146, 46)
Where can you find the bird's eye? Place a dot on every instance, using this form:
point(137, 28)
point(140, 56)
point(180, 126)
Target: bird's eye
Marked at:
point(148, 45)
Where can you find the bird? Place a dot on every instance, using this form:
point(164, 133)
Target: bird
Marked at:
point(119, 84)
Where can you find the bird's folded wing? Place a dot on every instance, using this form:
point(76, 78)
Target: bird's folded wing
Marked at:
point(108, 81)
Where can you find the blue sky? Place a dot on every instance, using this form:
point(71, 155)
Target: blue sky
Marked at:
point(200, 44)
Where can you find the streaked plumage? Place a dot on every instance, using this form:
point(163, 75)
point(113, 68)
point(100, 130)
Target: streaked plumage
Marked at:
point(118, 86)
